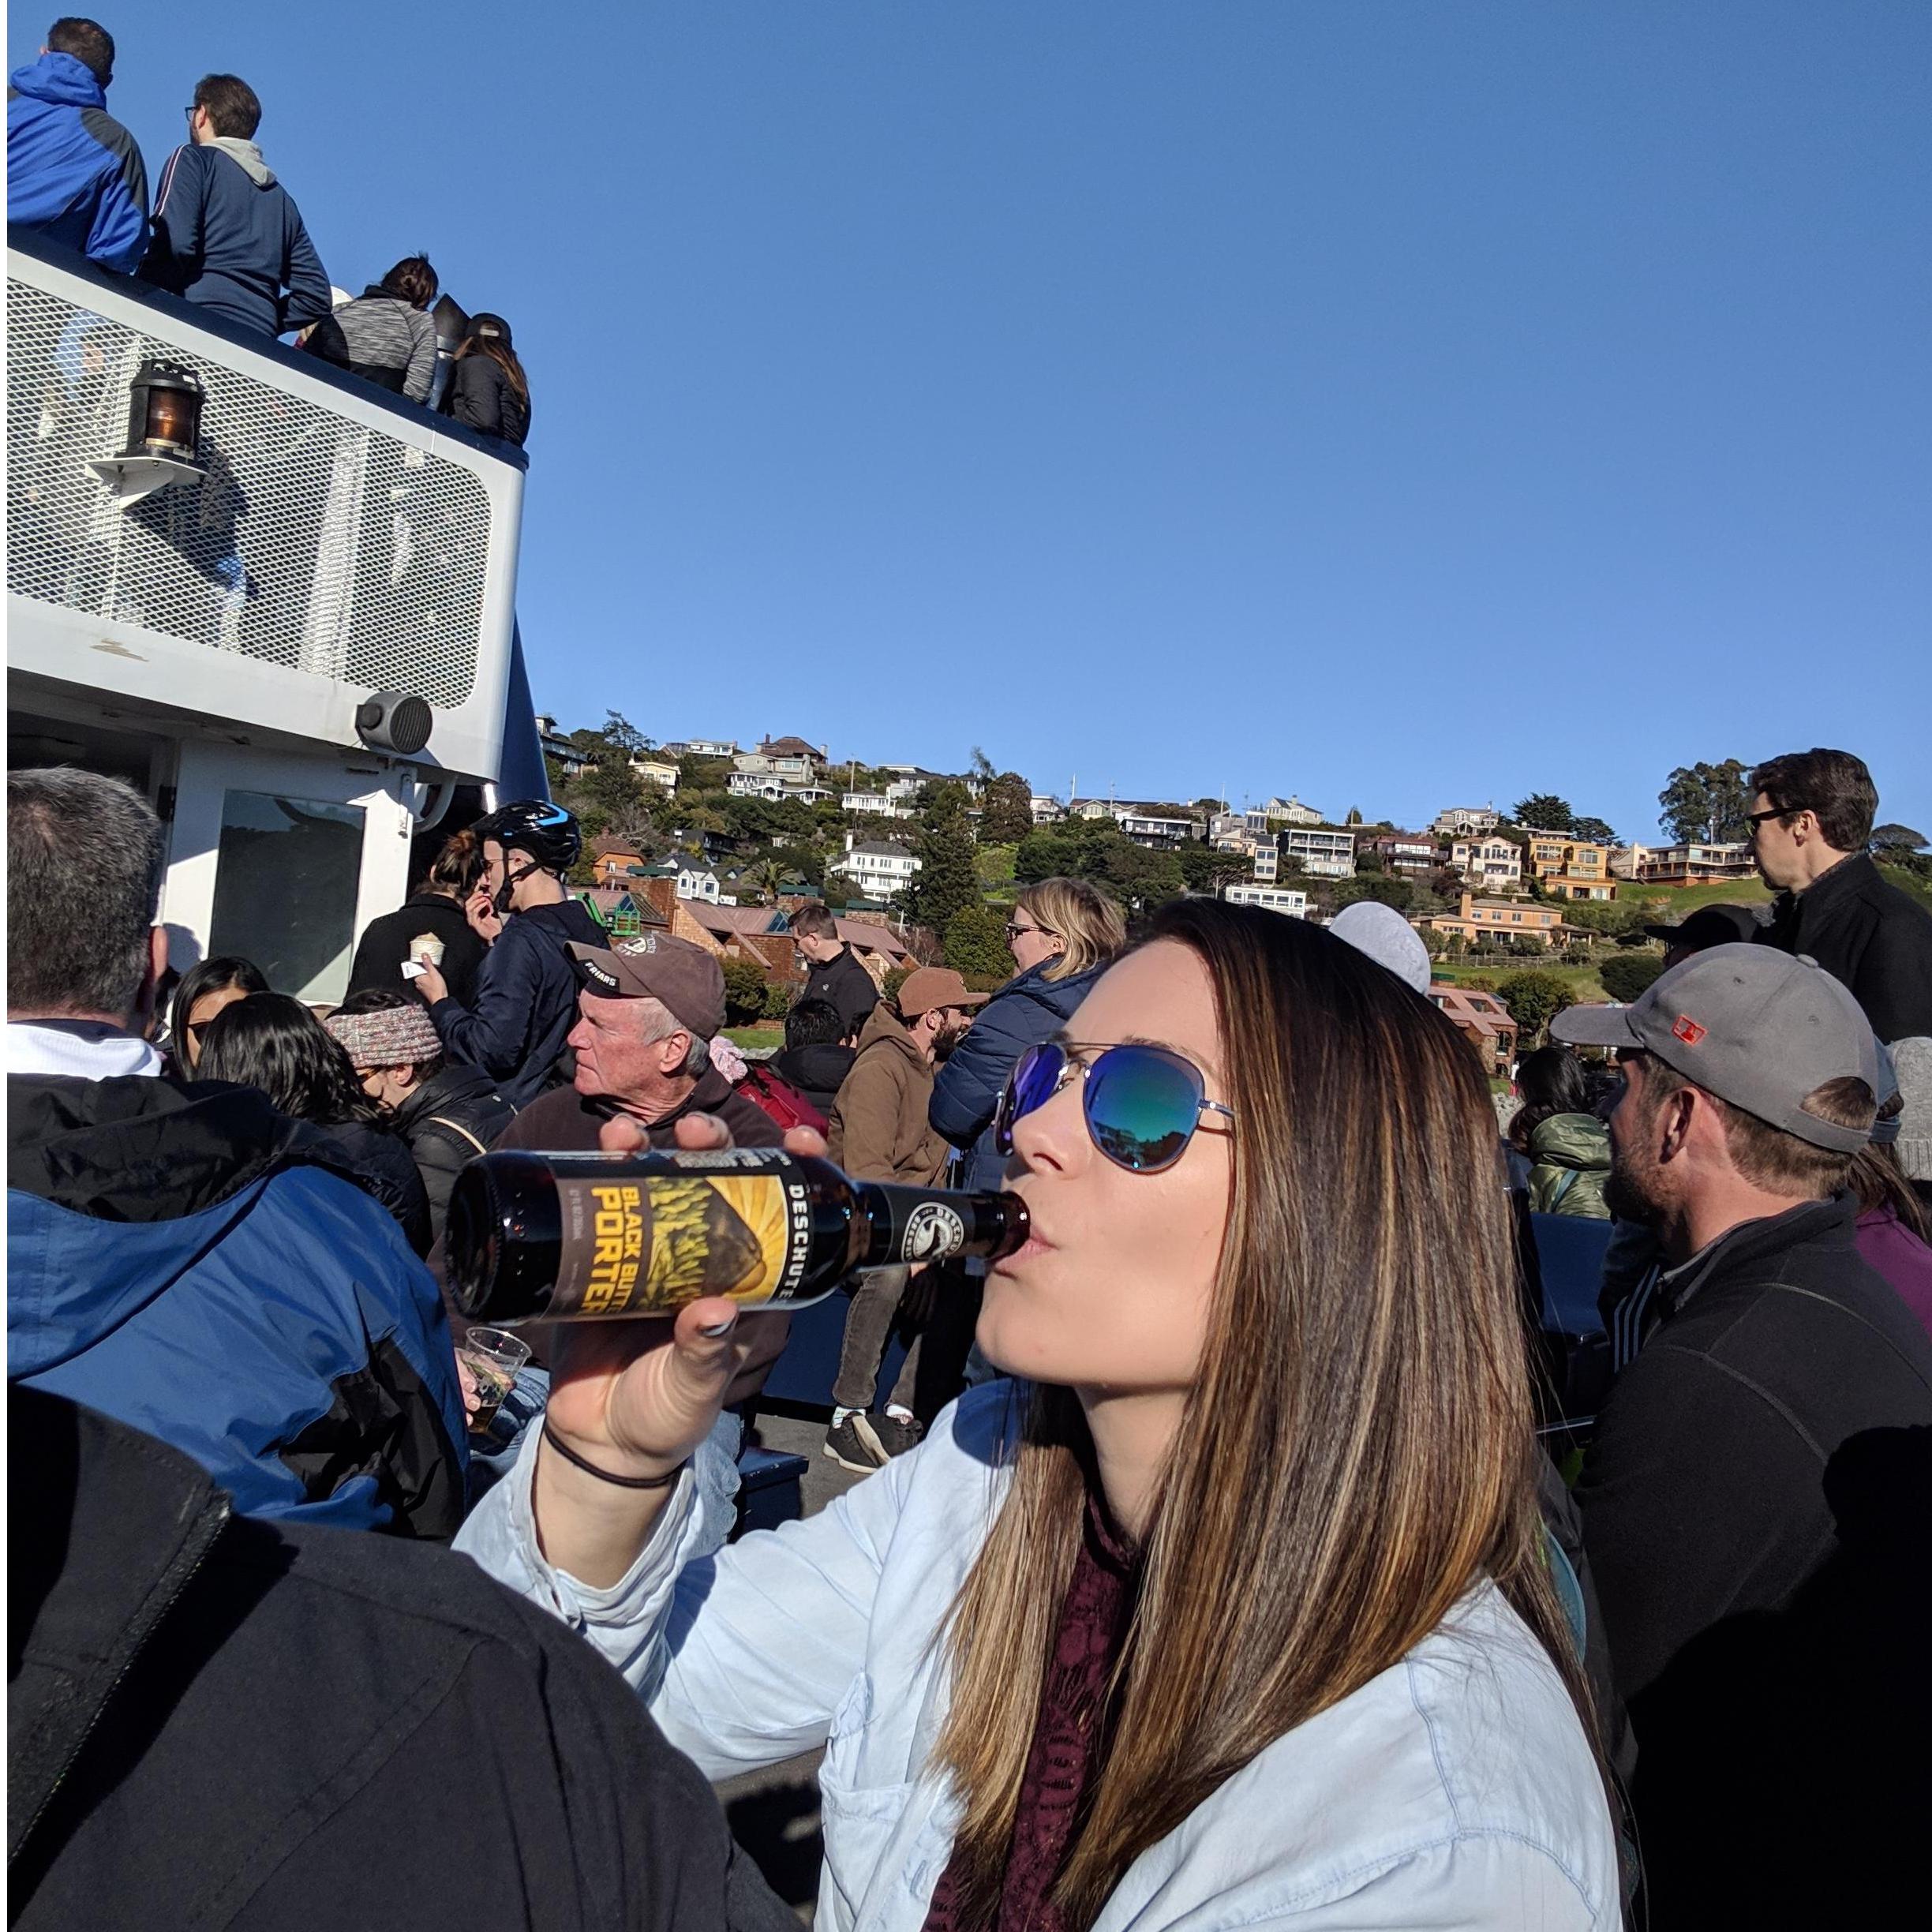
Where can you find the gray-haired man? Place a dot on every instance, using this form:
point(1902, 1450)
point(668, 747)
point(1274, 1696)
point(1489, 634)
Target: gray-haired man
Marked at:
point(648, 1012)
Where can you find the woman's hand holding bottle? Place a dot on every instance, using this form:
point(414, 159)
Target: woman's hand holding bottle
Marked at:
point(635, 1398)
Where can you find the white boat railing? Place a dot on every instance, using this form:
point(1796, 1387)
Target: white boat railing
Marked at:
point(338, 542)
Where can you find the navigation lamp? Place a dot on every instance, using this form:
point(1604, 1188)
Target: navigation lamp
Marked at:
point(397, 721)
point(163, 433)
point(164, 411)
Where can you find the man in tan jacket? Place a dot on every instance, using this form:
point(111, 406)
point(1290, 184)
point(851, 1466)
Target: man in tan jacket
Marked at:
point(879, 1132)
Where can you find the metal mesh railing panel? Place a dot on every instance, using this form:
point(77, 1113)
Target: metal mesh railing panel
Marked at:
point(313, 541)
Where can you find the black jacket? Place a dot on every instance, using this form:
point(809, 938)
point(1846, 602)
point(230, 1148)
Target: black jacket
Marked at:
point(1866, 935)
point(385, 944)
point(525, 1001)
point(818, 1071)
point(380, 1164)
point(480, 396)
point(846, 985)
point(1757, 1511)
point(222, 1722)
point(566, 1123)
point(452, 1118)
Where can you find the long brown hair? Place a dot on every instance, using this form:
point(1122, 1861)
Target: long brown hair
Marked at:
point(496, 347)
point(1299, 1544)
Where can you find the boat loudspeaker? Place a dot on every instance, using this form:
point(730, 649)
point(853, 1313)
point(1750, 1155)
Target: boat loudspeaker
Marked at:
point(397, 721)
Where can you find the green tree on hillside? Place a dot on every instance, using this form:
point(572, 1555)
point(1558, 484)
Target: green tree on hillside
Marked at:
point(1596, 830)
point(744, 991)
point(1398, 892)
point(1204, 870)
point(1543, 811)
point(1707, 802)
point(947, 882)
point(1006, 809)
point(623, 736)
point(1534, 999)
point(1626, 974)
point(975, 944)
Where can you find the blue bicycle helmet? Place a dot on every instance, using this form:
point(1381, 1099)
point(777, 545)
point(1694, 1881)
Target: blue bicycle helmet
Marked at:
point(547, 832)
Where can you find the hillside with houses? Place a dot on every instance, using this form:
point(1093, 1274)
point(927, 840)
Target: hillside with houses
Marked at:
point(1523, 911)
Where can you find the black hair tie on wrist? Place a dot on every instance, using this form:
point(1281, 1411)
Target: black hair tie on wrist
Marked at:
point(622, 1482)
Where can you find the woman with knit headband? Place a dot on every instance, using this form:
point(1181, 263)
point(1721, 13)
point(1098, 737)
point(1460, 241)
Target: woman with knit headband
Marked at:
point(447, 1112)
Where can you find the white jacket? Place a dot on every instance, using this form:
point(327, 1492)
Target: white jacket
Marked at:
point(1456, 1790)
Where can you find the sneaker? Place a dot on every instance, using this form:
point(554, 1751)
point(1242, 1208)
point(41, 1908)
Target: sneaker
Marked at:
point(854, 1444)
point(897, 1434)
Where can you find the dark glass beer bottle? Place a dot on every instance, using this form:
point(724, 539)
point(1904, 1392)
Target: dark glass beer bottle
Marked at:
point(599, 1237)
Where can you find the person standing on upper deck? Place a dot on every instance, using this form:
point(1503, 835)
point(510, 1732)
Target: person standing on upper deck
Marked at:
point(227, 234)
point(74, 173)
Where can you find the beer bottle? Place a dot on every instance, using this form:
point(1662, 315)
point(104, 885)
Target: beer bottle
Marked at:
point(536, 1237)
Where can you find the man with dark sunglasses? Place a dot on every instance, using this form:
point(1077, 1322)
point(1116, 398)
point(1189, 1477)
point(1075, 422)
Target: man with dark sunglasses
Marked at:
point(879, 1131)
point(1810, 822)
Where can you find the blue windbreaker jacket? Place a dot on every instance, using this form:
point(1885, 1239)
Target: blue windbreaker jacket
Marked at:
point(1026, 1010)
point(74, 172)
point(174, 1261)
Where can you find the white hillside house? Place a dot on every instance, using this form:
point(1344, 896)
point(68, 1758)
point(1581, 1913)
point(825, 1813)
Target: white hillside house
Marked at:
point(880, 868)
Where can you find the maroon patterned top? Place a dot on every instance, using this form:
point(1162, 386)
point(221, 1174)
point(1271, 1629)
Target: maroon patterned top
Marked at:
point(1069, 1740)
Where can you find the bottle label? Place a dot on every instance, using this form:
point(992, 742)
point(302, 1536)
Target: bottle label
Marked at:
point(931, 1232)
point(649, 1246)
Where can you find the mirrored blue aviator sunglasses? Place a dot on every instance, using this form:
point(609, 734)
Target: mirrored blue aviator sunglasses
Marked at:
point(1141, 1103)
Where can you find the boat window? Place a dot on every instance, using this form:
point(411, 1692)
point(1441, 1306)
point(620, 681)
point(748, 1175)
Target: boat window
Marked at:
point(285, 889)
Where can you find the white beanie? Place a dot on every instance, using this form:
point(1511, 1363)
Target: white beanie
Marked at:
point(1388, 938)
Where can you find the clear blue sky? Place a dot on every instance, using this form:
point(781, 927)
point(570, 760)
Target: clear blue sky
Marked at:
point(1267, 396)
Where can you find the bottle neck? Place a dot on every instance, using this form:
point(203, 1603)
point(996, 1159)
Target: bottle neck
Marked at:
point(911, 1226)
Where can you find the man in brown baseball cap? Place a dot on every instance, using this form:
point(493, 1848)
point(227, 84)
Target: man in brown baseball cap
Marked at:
point(1754, 1501)
point(879, 1132)
point(649, 1008)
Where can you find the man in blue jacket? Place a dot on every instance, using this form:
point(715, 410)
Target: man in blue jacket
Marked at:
point(527, 988)
point(74, 172)
point(227, 234)
point(180, 1257)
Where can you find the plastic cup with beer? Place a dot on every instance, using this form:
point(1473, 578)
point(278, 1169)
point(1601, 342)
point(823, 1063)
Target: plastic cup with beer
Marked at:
point(487, 1361)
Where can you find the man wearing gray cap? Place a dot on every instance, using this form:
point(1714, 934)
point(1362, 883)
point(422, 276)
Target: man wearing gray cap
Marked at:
point(647, 1013)
point(1746, 1503)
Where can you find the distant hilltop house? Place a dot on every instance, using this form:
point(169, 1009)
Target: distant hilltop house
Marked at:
point(1694, 864)
point(1483, 1021)
point(1290, 811)
point(1323, 851)
point(700, 748)
point(875, 805)
point(691, 879)
point(1466, 820)
point(1409, 855)
point(1046, 810)
point(790, 761)
point(615, 861)
point(555, 746)
point(1283, 899)
point(1145, 824)
point(880, 868)
point(1569, 868)
point(657, 771)
point(1478, 920)
point(1487, 864)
